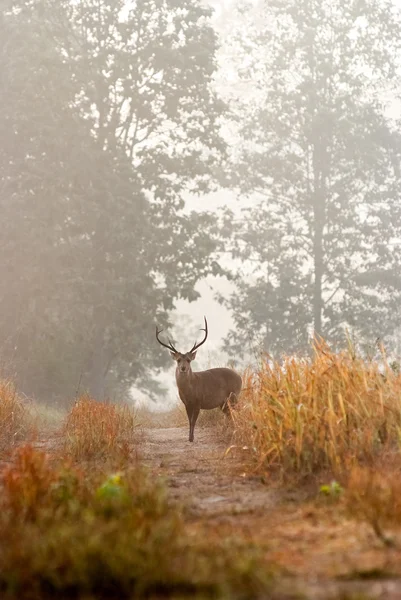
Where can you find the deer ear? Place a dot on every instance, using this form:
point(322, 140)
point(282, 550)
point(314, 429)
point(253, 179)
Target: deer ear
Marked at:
point(192, 356)
point(174, 355)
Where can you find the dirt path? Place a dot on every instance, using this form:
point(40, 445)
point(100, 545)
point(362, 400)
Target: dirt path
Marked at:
point(327, 555)
point(202, 476)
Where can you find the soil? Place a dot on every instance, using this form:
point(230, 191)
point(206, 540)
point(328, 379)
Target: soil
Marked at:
point(323, 552)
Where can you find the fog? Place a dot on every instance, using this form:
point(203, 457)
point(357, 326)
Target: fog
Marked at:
point(162, 161)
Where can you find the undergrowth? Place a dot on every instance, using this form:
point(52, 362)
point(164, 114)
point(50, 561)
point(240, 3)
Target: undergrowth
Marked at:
point(16, 423)
point(68, 532)
point(324, 414)
point(97, 430)
point(374, 496)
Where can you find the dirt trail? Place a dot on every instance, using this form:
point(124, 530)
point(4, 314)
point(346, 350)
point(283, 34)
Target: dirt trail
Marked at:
point(326, 554)
point(201, 475)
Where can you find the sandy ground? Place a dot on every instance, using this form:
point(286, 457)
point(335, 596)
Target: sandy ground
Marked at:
point(326, 554)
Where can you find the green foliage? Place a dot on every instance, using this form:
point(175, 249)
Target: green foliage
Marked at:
point(333, 490)
point(108, 120)
point(320, 157)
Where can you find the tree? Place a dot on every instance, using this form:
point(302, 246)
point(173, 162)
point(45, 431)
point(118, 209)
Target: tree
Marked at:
point(110, 120)
point(320, 159)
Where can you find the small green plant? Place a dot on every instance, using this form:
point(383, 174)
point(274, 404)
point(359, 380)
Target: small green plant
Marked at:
point(333, 490)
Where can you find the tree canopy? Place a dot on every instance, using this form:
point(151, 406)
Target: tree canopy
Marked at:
point(109, 119)
point(318, 154)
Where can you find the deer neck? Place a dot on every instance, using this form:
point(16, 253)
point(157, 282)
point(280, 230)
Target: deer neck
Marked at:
point(184, 380)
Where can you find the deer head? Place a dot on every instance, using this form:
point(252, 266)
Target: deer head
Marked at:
point(183, 360)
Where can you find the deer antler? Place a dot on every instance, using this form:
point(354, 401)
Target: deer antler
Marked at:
point(170, 346)
point(196, 346)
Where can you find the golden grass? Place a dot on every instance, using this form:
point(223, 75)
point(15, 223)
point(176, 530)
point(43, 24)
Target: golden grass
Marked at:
point(16, 423)
point(97, 430)
point(327, 413)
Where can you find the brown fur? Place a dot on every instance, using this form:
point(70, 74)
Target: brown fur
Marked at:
point(204, 390)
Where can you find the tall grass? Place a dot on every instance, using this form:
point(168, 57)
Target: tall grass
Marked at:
point(95, 429)
point(16, 422)
point(325, 413)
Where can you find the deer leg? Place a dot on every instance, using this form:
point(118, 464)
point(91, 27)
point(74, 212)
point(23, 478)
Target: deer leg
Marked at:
point(195, 414)
point(189, 415)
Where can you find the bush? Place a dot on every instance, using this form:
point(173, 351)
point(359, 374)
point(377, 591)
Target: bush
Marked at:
point(327, 413)
point(15, 420)
point(99, 430)
point(72, 533)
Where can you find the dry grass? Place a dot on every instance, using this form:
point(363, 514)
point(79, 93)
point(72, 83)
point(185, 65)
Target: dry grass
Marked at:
point(374, 495)
point(70, 532)
point(16, 423)
point(97, 430)
point(324, 414)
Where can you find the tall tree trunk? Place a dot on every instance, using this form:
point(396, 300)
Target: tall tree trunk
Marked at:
point(97, 375)
point(318, 267)
point(319, 217)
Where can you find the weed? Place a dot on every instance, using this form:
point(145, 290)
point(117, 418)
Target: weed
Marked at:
point(99, 430)
point(332, 490)
point(27, 482)
point(16, 423)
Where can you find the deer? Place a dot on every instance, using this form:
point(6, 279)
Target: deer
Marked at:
point(202, 390)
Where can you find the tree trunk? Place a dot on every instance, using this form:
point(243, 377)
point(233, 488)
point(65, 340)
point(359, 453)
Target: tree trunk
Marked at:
point(97, 375)
point(319, 218)
point(318, 269)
